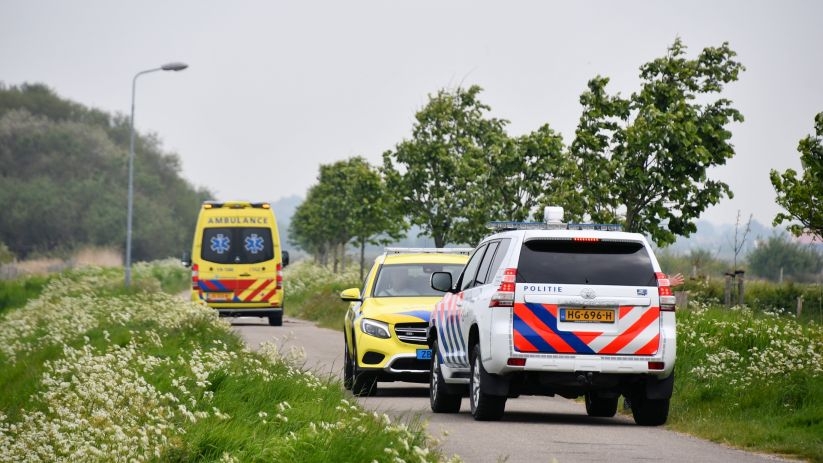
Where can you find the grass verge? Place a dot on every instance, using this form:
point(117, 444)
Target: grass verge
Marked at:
point(313, 293)
point(753, 380)
point(103, 374)
point(15, 293)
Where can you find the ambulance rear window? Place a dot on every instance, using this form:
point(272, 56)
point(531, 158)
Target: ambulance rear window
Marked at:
point(603, 262)
point(237, 245)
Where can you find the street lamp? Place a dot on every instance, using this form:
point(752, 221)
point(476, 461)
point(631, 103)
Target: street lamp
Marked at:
point(165, 67)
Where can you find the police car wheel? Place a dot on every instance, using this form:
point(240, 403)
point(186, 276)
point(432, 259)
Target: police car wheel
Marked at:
point(484, 407)
point(439, 397)
point(605, 407)
point(649, 412)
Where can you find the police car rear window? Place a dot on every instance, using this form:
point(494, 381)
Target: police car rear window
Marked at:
point(592, 263)
point(237, 245)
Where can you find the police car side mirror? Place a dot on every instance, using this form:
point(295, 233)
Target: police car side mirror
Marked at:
point(185, 260)
point(442, 281)
point(285, 256)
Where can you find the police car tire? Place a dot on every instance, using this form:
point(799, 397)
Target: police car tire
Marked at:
point(439, 397)
point(348, 366)
point(649, 412)
point(484, 407)
point(605, 407)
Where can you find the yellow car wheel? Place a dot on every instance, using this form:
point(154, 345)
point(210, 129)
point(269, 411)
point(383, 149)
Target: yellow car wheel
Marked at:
point(364, 383)
point(348, 366)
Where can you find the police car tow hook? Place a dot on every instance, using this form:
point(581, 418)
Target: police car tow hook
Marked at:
point(586, 378)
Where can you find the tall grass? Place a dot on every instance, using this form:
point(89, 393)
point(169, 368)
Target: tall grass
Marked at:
point(95, 373)
point(750, 379)
point(15, 293)
point(313, 293)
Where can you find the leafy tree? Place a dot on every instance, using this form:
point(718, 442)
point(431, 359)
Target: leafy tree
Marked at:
point(375, 217)
point(531, 171)
point(442, 175)
point(801, 196)
point(63, 170)
point(700, 260)
point(796, 261)
point(349, 203)
point(644, 159)
point(319, 224)
point(308, 229)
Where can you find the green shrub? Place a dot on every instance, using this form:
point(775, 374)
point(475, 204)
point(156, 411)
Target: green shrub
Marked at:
point(313, 293)
point(763, 296)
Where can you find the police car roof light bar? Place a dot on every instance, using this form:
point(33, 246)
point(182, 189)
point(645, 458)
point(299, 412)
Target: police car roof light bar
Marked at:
point(395, 250)
point(506, 226)
point(595, 226)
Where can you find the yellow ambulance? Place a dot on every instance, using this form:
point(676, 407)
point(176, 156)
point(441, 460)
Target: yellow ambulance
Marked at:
point(236, 260)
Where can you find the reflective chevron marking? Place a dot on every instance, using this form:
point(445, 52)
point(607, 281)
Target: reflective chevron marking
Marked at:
point(535, 329)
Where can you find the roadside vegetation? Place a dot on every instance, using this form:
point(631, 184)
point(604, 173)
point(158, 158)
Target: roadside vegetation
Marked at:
point(751, 379)
point(747, 376)
point(15, 293)
point(313, 293)
point(93, 372)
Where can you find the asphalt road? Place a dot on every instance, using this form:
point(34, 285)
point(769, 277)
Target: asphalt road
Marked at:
point(534, 429)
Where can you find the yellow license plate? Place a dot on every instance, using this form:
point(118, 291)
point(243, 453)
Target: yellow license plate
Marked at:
point(219, 297)
point(587, 315)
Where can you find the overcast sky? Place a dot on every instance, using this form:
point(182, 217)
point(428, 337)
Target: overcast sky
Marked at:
point(274, 88)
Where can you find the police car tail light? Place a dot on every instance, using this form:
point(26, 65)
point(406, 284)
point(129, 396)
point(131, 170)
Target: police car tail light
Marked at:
point(195, 275)
point(516, 362)
point(664, 290)
point(585, 240)
point(657, 366)
point(279, 276)
point(504, 297)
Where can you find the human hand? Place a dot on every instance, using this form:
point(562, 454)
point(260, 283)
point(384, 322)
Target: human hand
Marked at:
point(676, 279)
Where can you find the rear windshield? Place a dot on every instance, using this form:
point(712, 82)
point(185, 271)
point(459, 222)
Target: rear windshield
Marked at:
point(237, 245)
point(593, 263)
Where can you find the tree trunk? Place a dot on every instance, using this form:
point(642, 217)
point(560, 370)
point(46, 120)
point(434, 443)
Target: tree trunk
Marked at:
point(438, 240)
point(335, 258)
point(362, 257)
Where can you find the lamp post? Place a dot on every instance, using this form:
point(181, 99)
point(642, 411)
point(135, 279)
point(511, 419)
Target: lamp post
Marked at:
point(165, 67)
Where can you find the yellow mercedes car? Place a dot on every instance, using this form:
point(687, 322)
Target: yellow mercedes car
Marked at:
point(386, 323)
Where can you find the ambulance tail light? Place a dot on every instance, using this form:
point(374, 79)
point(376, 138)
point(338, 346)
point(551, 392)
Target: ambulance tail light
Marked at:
point(195, 276)
point(664, 290)
point(279, 276)
point(504, 297)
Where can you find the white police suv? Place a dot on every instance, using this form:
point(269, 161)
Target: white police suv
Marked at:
point(555, 309)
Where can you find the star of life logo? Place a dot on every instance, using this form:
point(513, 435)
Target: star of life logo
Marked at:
point(254, 243)
point(220, 243)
